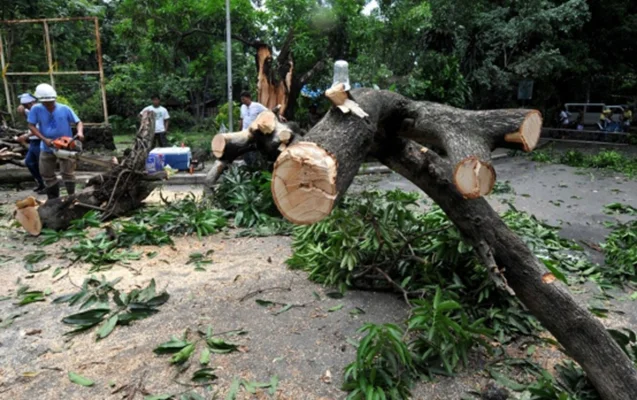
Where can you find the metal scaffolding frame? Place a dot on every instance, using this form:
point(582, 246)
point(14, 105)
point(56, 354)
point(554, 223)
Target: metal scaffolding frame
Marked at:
point(51, 73)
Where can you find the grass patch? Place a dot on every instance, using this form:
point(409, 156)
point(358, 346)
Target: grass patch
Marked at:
point(605, 159)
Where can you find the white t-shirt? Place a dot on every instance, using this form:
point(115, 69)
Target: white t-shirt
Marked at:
point(161, 114)
point(250, 113)
point(564, 118)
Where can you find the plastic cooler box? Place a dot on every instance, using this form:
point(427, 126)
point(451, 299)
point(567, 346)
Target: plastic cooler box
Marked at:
point(177, 157)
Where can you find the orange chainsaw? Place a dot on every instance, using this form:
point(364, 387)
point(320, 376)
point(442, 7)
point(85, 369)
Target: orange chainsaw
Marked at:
point(67, 148)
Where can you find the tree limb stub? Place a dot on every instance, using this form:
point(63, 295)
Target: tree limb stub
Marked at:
point(582, 335)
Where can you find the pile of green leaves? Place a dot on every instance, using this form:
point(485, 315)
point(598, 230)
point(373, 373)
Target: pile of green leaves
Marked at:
point(183, 217)
point(128, 307)
point(620, 253)
point(420, 251)
point(605, 159)
point(182, 349)
point(380, 240)
point(247, 195)
point(383, 368)
point(153, 226)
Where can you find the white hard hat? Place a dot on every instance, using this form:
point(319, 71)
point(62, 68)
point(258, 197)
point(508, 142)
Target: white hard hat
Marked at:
point(45, 92)
point(26, 98)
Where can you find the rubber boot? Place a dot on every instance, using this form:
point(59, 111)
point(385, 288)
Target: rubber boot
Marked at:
point(70, 187)
point(53, 192)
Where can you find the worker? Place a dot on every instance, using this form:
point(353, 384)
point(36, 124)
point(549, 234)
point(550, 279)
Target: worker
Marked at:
point(49, 121)
point(605, 119)
point(627, 118)
point(162, 120)
point(32, 159)
point(250, 110)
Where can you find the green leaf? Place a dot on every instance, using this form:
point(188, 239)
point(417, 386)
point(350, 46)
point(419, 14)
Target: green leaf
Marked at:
point(335, 308)
point(234, 389)
point(171, 346)
point(90, 317)
point(274, 383)
point(204, 358)
point(31, 297)
point(183, 355)
point(80, 380)
point(220, 346)
point(264, 303)
point(107, 328)
point(283, 309)
point(204, 375)
point(504, 381)
point(159, 397)
point(357, 311)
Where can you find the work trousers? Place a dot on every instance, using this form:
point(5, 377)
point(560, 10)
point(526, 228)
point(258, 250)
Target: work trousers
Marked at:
point(160, 140)
point(32, 161)
point(47, 169)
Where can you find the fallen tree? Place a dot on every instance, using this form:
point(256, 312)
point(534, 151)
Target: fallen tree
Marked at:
point(120, 190)
point(446, 152)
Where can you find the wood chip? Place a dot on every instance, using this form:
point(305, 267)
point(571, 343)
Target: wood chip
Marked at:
point(327, 377)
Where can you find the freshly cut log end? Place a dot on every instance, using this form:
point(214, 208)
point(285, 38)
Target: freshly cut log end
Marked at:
point(474, 178)
point(304, 183)
point(30, 220)
point(229, 142)
point(529, 133)
point(265, 123)
point(218, 145)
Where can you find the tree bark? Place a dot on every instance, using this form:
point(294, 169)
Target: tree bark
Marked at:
point(313, 173)
point(115, 193)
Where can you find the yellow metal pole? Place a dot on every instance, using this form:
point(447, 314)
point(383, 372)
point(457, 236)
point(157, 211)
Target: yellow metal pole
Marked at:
point(4, 79)
point(101, 68)
point(48, 51)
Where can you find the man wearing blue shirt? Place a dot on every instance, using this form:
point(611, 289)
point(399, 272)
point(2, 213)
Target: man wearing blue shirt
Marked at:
point(32, 159)
point(49, 121)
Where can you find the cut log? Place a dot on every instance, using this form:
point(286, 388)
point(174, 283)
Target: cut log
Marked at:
point(305, 185)
point(115, 193)
point(344, 140)
point(264, 123)
point(229, 146)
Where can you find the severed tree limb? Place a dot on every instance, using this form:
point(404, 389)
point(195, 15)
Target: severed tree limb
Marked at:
point(584, 338)
point(307, 187)
point(311, 175)
point(266, 134)
point(117, 192)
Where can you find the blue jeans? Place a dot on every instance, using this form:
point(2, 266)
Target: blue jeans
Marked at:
point(32, 161)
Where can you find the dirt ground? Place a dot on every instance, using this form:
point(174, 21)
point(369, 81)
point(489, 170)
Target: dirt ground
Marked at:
point(299, 346)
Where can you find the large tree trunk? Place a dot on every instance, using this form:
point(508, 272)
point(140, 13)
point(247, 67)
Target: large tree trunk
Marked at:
point(310, 176)
point(117, 192)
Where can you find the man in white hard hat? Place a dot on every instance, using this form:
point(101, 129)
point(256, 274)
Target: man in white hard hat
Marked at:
point(33, 155)
point(49, 121)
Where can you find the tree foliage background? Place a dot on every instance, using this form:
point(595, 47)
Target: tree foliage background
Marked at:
point(468, 53)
